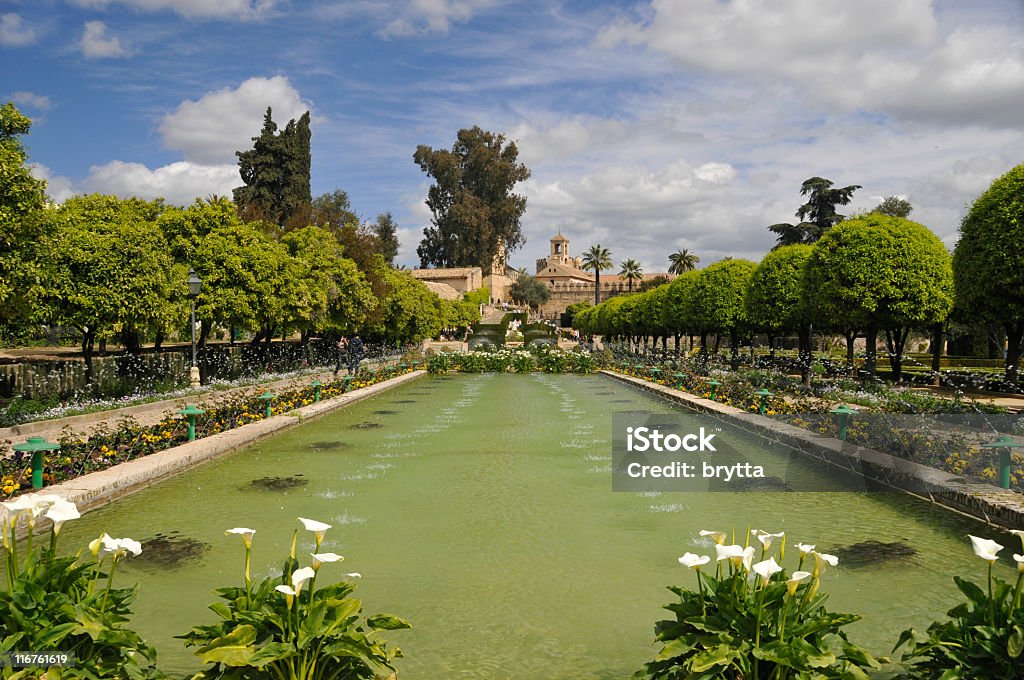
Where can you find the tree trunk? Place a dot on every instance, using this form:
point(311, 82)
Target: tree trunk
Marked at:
point(870, 358)
point(937, 342)
point(1014, 331)
point(158, 341)
point(771, 347)
point(103, 346)
point(718, 342)
point(895, 341)
point(678, 338)
point(734, 350)
point(597, 287)
point(851, 365)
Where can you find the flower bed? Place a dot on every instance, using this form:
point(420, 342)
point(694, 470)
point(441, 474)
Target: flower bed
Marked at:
point(107, 446)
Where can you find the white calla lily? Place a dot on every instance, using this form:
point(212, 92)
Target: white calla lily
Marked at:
point(245, 533)
point(324, 558)
point(61, 511)
point(300, 577)
point(693, 560)
point(1019, 559)
point(804, 548)
point(726, 552)
point(766, 538)
point(822, 559)
point(766, 569)
point(97, 543)
point(118, 547)
point(793, 581)
point(287, 590)
point(18, 506)
point(1019, 534)
point(985, 548)
point(747, 558)
point(319, 529)
point(717, 536)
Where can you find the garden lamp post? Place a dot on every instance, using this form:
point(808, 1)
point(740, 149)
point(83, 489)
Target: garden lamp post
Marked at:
point(191, 412)
point(844, 412)
point(316, 384)
point(1006, 445)
point(267, 397)
point(764, 394)
point(714, 388)
point(36, 446)
point(195, 285)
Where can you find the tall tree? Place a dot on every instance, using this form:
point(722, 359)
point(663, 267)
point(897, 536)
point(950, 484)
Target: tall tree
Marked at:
point(987, 263)
point(632, 272)
point(818, 214)
point(21, 199)
point(682, 261)
point(276, 174)
point(386, 230)
point(529, 291)
point(597, 259)
point(775, 302)
point(474, 210)
point(717, 302)
point(894, 206)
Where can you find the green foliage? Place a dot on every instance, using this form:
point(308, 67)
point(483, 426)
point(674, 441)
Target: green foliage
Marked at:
point(716, 299)
point(983, 637)
point(386, 230)
point(480, 296)
point(569, 315)
point(748, 622)
point(68, 604)
point(682, 261)
point(632, 272)
point(474, 210)
point(285, 627)
point(411, 312)
point(276, 172)
point(528, 290)
point(652, 283)
point(597, 259)
point(774, 299)
point(894, 206)
point(818, 214)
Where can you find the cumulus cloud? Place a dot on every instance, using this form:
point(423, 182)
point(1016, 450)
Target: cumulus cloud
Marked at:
point(873, 54)
point(14, 32)
point(58, 187)
point(96, 44)
point(32, 100)
point(180, 183)
point(210, 130)
point(198, 9)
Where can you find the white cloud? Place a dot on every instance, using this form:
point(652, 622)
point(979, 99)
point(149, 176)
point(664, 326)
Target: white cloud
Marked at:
point(870, 55)
point(14, 33)
point(210, 130)
point(433, 16)
point(199, 9)
point(32, 100)
point(180, 183)
point(58, 187)
point(96, 44)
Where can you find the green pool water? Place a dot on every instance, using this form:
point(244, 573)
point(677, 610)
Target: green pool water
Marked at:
point(480, 508)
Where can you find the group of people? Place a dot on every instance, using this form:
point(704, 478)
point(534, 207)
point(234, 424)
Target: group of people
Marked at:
point(350, 353)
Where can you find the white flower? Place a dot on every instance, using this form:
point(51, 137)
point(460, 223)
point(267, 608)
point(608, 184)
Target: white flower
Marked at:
point(748, 557)
point(61, 511)
point(693, 561)
point(820, 560)
point(804, 548)
point(766, 569)
point(97, 543)
point(18, 505)
point(246, 534)
point(287, 590)
point(1019, 559)
point(118, 547)
point(795, 580)
point(318, 528)
point(725, 552)
point(766, 538)
point(717, 536)
point(985, 549)
point(354, 574)
point(1019, 534)
point(300, 576)
point(34, 504)
point(322, 558)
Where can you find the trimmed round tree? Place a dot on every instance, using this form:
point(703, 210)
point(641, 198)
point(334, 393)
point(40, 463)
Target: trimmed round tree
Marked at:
point(675, 310)
point(881, 273)
point(774, 302)
point(717, 302)
point(988, 263)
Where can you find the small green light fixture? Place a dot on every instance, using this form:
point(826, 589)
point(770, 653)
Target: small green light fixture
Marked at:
point(844, 412)
point(267, 397)
point(37, 446)
point(679, 380)
point(764, 394)
point(1005, 445)
point(346, 384)
point(191, 412)
point(316, 384)
point(714, 384)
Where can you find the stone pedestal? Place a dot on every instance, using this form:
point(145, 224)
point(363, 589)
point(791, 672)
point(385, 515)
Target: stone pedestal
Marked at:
point(193, 376)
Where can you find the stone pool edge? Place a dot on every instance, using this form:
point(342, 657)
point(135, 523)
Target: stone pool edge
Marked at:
point(101, 488)
point(1000, 508)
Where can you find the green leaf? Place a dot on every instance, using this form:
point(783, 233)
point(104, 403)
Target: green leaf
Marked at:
point(722, 655)
point(387, 622)
point(233, 649)
point(274, 651)
point(1015, 643)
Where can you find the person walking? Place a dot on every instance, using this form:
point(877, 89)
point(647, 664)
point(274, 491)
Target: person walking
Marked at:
point(356, 353)
point(342, 358)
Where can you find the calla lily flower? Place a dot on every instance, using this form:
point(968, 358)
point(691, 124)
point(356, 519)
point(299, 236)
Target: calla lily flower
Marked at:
point(804, 548)
point(287, 590)
point(985, 548)
point(766, 538)
point(97, 543)
point(61, 511)
point(18, 506)
point(725, 552)
point(766, 569)
point(795, 580)
point(1019, 559)
point(820, 560)
point(717, 536)
point(747, 558)
point(246, 534)
point(319, 529)
point(694, 561)
point(321, 558)
point(354, 574)
point(1019, 534)
point(118, 547)
point(300, 576)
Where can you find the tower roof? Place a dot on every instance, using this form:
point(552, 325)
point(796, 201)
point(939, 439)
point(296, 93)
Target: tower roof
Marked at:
point(559, 237)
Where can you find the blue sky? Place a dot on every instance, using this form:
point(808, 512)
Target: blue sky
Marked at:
point(648, 126)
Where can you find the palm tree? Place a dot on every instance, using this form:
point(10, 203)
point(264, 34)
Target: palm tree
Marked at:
point(682, 261)
point(596, 259)
point(631, 271)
